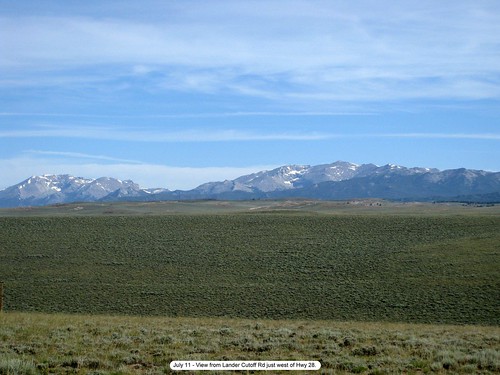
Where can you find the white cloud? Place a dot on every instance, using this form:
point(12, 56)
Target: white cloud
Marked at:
point(311, 51)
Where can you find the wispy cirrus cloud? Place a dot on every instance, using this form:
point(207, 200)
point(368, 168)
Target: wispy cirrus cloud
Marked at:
point(358, 51)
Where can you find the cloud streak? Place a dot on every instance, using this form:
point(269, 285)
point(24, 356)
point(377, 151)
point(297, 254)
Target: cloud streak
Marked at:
point(213, 135)
point(141, 135)
point(80, 155)
point(478, 136)
point(203, 135)
point(194, 115)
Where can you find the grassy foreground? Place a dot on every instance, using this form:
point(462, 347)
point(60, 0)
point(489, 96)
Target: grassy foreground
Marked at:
point(33, 343)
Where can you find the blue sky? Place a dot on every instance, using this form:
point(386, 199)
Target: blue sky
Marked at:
point(177, 93)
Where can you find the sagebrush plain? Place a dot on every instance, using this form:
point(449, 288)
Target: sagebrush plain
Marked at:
point(33, 343)
point(281, 266)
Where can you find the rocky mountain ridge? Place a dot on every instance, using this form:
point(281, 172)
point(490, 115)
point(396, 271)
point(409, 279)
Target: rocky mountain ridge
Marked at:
point(53, 189)
point(335, 181)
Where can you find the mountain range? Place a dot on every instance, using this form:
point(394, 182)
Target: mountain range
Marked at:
point(53, 189)
point(336, 181)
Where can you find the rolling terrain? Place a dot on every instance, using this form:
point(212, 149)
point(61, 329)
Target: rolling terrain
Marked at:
point(298, 206)
point(425, 268)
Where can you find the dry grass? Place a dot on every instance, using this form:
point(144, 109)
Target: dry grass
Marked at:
point(77, 344)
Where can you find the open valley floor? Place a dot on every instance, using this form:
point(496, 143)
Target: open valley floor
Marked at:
point(369, 286)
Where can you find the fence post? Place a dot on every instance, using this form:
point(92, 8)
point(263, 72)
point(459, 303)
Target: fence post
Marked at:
point(1, 296)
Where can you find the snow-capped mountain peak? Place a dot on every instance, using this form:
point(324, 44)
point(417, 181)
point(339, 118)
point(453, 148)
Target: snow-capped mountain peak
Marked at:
point(287, 177)
point(341, 180)
point(51, 189)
